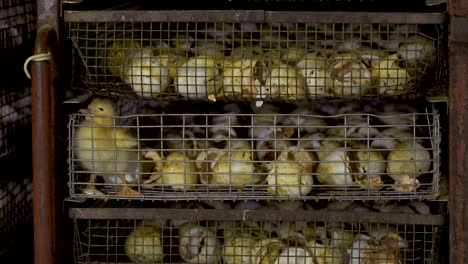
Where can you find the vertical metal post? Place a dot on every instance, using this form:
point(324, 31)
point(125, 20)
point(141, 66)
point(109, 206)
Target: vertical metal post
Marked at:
point(48, 14)
point(50, 246)
point(458, 132)
point(43, 156)
point(458, 7)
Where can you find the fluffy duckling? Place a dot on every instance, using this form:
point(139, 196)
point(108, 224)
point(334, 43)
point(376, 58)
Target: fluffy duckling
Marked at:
point(104, 149)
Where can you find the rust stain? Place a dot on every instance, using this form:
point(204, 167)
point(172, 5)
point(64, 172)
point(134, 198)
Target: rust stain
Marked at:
point(458, 159)
point(458, 7)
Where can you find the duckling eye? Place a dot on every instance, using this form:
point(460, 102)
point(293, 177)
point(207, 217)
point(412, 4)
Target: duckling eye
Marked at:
point(101, 109)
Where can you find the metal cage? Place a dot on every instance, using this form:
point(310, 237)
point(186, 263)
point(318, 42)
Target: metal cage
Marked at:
point(274, 152)
point(15, 219)
point(129, 235)
point(17, 31)
point(15, 204)
point(15, 122)
point(17, 25)
point(255, 55)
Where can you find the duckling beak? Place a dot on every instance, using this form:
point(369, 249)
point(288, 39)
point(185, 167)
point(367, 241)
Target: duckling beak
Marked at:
point(85, 111)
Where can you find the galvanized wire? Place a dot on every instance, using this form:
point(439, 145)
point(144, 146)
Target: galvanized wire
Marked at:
point(244, 61)
point(296, 154)
point(117, 239)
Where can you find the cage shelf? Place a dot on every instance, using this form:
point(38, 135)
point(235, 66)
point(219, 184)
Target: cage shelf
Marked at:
point(255, 55)
point(295, 153)
point(298, 5)
point(108, 235)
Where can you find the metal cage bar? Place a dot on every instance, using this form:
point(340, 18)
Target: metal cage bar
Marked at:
point(458, 182)
point(251, 16)
point(47, 149)
point(315, 5)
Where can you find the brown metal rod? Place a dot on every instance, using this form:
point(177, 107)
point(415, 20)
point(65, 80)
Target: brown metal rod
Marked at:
point(48, 14)
point(250, 16)
point(354, 17)
point(43, 154)
point(458, 140)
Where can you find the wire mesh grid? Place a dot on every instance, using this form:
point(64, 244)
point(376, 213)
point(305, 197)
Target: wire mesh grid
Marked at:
point(201, 237)
point(17, 24)
point(228, 155)
point(262, 61)
point(15, 121)
point(16, 220)
point(17, 31)
point(15, 204)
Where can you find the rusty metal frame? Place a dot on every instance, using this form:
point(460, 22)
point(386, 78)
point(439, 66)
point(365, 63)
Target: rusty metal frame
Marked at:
point(48, 14)
point(458, 131)
point(251, 16)
point(458, 7)
point(252, 215)
point(48, 193)
point(43, 161)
